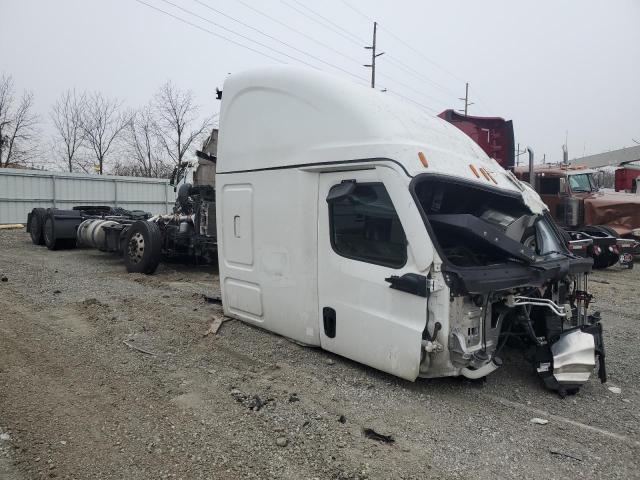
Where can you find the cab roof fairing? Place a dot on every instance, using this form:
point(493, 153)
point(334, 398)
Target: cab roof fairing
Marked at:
point(280, 117)
point(269, 116)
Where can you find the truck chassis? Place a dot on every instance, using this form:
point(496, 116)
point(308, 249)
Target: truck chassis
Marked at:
point(142, 239)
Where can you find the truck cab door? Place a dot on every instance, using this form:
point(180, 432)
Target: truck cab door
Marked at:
point(372, 295)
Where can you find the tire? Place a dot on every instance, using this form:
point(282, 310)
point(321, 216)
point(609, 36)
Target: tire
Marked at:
point(49, 232)
point(602, 261)
point(605, 260)
point(613, 259)
point(143, 247)
point(36, 225)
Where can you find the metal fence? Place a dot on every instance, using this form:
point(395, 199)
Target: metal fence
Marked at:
point(23, 190)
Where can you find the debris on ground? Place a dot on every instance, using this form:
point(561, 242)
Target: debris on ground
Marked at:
point(255, 402)
point(554, 451)
point(378, 437)
point(5, 437)
point(12, 226)
point(615, 389)
point(294, 398)
point(282, 441)
point(56, 292)
point(329, 361)
point(539, 421)
point(139, 349)
point(146, 411)
point(213, 299)
point(4, 278)
point(215, 325)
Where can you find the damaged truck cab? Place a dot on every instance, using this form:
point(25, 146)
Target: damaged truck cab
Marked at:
point(353, 222)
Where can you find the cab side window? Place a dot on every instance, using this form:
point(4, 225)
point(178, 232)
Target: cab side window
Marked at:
point(549, 185)
point(364, 226)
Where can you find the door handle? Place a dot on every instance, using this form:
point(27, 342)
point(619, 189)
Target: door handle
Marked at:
point(409, 282)
point(236, 226)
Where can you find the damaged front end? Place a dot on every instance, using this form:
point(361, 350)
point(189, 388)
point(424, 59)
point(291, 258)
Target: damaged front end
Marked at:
point(507, 277)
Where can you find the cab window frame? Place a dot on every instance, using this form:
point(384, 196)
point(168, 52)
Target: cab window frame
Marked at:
point(373, 261)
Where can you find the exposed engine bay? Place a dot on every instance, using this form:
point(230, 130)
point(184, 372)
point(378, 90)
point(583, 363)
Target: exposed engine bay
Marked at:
point(511, 281)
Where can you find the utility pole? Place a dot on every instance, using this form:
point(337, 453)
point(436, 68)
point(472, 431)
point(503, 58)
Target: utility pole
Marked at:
point(518, 153)
point(374, 55)
point(466, 101)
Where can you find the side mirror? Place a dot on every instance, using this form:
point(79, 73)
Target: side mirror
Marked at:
point(599, 179)
point(341, 191)
point(563, 185)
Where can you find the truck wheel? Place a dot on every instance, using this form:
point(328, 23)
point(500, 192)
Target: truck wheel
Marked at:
point(50, 235)
point(142, 248)
point(602, 261)
point(35, 225)
point(49, 232)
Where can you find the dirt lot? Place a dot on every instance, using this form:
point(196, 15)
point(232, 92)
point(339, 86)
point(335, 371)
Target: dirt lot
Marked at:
point(77, 402)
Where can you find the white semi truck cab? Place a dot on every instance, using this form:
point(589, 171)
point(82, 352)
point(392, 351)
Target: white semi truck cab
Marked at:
point(353, 222)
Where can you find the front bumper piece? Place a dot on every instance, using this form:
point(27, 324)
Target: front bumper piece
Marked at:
point(567, 364)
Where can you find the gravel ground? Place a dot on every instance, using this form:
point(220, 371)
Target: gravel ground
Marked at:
point(78, 402)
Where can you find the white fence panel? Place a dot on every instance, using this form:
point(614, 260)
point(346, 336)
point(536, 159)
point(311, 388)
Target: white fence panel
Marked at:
point(23, 190)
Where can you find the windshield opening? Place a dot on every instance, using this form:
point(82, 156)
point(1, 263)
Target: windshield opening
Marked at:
point(581, 182)
point(480, 227)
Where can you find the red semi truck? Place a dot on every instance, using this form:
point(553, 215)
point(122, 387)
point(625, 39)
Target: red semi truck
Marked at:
point(611, 220)
point(628, 178)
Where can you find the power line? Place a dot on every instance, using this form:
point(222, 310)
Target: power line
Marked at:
point(277, 40)
point(389, 77)
point(409, 87)
point(392, 60)
point(329, 21)
point(308, 37)
point(356, 10)
point(359, 42)
point(268, 47)
point(209, 31)
point(417, 74)
point(359, 12)
point(411, 47)
point(334, 30)
point(431, 110)
point(418, 52)
point(247, 47)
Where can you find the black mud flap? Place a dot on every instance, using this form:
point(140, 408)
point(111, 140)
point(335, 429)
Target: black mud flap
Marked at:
point(595, 329)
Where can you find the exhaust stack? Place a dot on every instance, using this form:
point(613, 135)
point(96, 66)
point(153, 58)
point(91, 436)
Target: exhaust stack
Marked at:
point(530, 151)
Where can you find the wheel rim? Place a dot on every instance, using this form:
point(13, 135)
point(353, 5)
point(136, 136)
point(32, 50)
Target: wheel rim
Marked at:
point(136, 248)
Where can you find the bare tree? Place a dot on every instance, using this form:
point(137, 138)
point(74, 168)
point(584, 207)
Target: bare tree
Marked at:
point(18, 126)
point(145, 147)
point(67, 115)
point(103, 122)
point(176, 121)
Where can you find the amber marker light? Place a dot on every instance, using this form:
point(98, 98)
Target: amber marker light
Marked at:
point(474, 170)
point(423, 159)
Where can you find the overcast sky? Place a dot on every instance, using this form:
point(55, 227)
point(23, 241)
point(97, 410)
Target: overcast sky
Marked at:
point(550, 66)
